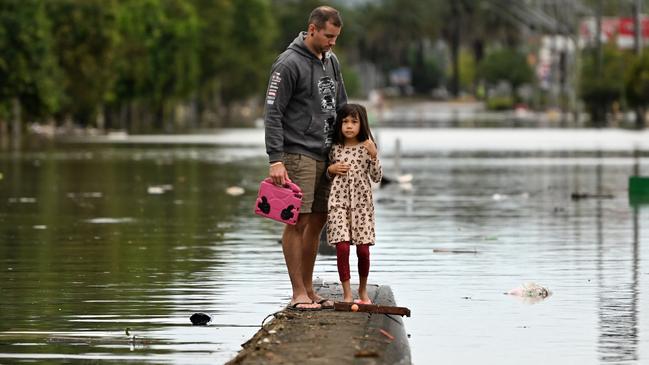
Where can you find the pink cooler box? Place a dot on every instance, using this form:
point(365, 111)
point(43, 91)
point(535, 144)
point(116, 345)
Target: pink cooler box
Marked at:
point(281, 203)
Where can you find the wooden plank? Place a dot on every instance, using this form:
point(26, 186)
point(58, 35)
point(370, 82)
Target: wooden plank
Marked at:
point(372, 308)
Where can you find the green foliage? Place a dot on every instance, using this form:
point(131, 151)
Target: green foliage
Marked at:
point(250, 53)
point(352, 82)
point(392, 27)
point(426, 76)
point(637, 82)
point(215, 21)
point(28, 67)
point(86, 43)
point(599, 89)
point(506, 65)
point(468, 70)
point(292, 17)
point(500, 103)
point(426, 71)
point(158, 61)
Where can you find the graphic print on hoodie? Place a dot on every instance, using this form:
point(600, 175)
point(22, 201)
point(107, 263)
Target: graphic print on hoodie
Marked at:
point(303, 95)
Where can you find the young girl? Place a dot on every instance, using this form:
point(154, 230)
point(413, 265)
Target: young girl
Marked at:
point(353, 162)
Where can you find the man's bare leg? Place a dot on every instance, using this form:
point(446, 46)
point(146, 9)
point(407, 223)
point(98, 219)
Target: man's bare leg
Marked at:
point(293, 248)
point(312, 240)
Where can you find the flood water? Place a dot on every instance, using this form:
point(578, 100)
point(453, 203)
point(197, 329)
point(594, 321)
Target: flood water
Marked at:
point(97, 238)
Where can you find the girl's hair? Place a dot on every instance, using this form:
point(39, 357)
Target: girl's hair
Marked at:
point(355, 110)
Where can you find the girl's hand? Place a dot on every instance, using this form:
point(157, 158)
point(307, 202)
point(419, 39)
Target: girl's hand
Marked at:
point(370, 147)
point(338, 168)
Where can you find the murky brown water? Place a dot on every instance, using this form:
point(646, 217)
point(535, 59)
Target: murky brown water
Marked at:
point(98, 238)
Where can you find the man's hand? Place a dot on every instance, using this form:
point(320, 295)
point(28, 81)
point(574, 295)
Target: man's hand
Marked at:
point(277, 173)
point(370, 147)
point(338, 168)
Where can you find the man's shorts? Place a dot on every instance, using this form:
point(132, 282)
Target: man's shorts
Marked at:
point(309, 175)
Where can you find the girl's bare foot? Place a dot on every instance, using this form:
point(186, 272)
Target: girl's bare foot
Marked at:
point(347, 292)
point(363, 297)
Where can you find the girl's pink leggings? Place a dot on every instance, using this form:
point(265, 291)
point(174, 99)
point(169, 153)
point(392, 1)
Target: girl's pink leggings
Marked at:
point(342, 255)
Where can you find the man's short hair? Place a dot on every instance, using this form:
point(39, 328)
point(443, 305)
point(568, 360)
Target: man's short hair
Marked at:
point(323, 14)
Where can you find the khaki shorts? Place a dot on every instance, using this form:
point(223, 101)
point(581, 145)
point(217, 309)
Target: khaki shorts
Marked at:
point(309, 175)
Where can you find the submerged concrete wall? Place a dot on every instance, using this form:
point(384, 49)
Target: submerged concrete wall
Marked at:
point(330, 337)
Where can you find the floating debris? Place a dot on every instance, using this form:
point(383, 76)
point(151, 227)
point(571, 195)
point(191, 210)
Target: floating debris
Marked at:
point(24, 200)
point(159, 189)
point(93, 194)
point(531, 291)
point(131, 336)
point(40, 226)
point(105, 220)
point(404, 181)
point(155, 190)
point(234, 190)
point(446, 250)
point(1, 176)
point(579, 196)
point(200, 319)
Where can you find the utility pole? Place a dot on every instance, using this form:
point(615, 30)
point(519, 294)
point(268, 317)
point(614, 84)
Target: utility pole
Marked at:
point(637, 27)
point(455, 47)
point(16, 123)
point(598, 38)
point(637, 47)
point(600, 111)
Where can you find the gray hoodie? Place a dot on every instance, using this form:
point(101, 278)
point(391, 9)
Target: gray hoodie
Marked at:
point(303, 95)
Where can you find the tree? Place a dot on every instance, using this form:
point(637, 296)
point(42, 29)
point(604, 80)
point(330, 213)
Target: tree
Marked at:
point(291, 17)
point(391, 27)
point(86, 43)
point(159, 64)
point(29, 74)
point(600, 89)
point(249, 58)
point(506, 65)
point(215, 22)
point(637, 87)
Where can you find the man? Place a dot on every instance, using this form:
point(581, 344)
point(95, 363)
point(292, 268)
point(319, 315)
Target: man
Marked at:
point(304, 92)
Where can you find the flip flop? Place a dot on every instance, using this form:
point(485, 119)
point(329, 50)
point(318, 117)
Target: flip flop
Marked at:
point(323, 302)
point(294, 307)
point(358, 301)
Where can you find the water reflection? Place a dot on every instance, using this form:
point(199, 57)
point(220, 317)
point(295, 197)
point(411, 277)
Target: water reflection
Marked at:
point(86, 250)
point(618, 317)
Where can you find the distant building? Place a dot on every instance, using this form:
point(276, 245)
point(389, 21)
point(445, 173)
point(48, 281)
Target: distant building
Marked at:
point(618, 29)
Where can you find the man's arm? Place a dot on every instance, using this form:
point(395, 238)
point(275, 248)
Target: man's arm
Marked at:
point(278, 95)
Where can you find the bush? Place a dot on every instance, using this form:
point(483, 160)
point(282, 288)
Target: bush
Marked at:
point(352, 82)
point(637, 82)
point(500, 103)
point(599, 91)
point(426, 77)
point(506, 65)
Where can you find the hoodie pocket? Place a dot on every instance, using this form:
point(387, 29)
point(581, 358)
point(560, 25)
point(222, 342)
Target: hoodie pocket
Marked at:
point(313, 128)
